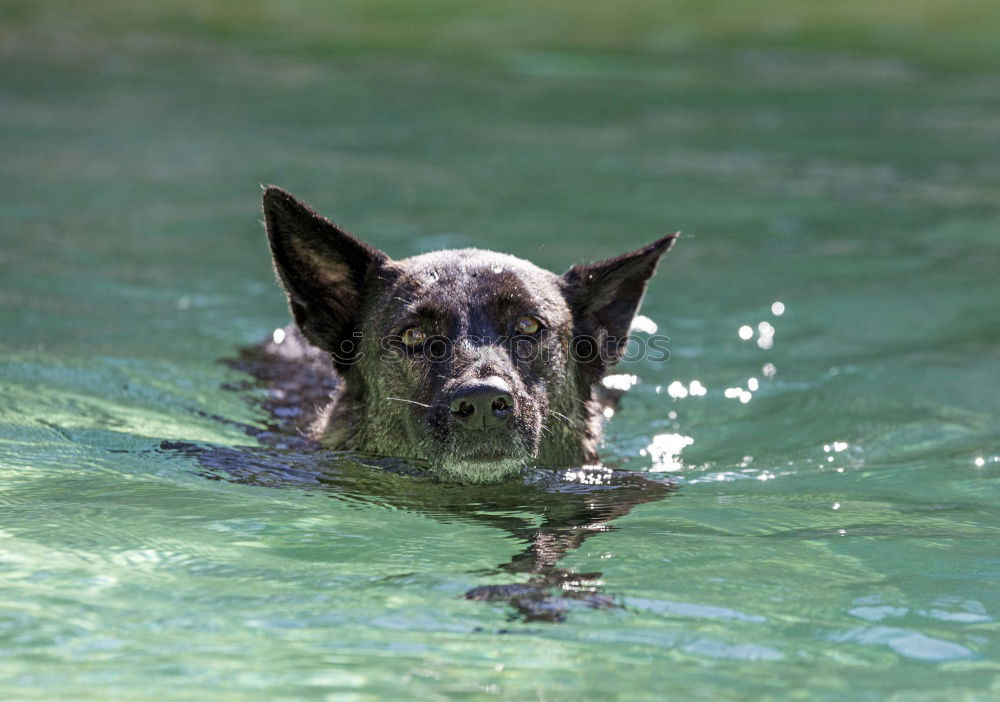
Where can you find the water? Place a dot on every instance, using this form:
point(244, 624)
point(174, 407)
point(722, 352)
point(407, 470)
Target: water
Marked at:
point(833, 537)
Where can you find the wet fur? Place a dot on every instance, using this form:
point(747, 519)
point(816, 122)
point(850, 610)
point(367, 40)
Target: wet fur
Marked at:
point(351, 301)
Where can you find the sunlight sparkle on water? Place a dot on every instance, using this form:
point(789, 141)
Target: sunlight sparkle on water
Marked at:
point(778, 308)
point(736, 393)
point(677, 390)
point(278, 335)
point(620, 381)
point(766, 339)
point(746, 332)
point(643, 323)
point(590, 475)
point(665, 450)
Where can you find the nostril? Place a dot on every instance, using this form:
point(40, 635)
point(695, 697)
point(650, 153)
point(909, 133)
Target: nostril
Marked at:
point(482, 405)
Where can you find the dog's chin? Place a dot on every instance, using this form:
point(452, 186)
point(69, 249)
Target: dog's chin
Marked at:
point(479, 470)
point(482, 457)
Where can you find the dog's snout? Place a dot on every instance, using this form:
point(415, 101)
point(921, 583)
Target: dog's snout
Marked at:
point(483, 404)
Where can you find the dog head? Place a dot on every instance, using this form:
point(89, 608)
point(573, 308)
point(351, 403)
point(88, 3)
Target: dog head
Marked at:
point(473, 361)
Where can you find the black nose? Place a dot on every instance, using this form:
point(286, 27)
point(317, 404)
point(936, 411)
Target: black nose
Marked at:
point(482, 404)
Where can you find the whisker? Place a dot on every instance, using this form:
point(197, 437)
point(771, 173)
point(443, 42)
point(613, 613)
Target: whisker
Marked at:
point(561, 416)
point(412, 402)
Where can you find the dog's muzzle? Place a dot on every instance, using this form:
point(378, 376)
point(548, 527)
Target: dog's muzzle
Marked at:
point(482, 405)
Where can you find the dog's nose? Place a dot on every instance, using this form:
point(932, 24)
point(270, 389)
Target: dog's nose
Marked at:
point(483, 404)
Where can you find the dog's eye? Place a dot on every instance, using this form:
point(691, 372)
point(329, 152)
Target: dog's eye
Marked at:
point(526, 324)
point(414, 336)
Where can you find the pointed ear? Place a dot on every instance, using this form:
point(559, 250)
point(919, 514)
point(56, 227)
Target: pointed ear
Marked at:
point(605, 296)
point(322, 268)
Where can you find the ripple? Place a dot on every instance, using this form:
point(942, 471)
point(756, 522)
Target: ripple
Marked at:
point(744, 652)
point(877, 614)
point(691, 609)
point(905, 642)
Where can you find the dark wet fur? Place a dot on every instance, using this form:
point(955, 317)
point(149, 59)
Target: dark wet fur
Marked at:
point(353, 304)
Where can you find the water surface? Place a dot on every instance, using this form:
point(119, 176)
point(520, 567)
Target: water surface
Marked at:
point(833, 532)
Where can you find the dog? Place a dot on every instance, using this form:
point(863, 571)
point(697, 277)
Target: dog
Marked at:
point(472, 362)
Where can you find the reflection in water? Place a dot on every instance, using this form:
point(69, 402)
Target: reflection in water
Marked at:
point(642, 323)
point(572, 505)
point(765, 331)
point(621, 381)
point(551, 511)
point(668, 459)
point(738, 393)
point(665, 451)
point(766, 338)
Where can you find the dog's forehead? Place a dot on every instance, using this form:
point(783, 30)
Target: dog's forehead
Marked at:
point(476, 276)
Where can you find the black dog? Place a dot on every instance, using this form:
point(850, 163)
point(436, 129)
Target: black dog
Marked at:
point(474, 362)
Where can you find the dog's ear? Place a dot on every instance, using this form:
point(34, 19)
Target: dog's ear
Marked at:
point(605, 296)
point(322, 268)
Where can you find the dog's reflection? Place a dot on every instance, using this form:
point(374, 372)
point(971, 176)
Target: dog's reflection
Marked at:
point(551, 511)
point(572, 506)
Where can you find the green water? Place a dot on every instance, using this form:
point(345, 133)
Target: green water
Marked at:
point(833, 537)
